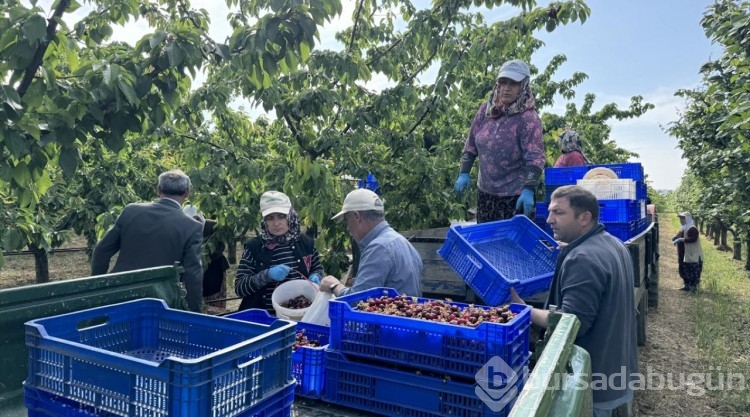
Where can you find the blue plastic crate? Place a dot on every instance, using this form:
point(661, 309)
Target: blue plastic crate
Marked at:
point(542, 212)
point(542, 224)
point(555, 177)
point(391, 392)
point(641, 190)
point(570, 175)
point(493, 257)
point(308, 363)
point(440, 347)
point(143, 358)
point(619, 211)
point(43, 404)
point(623, 231)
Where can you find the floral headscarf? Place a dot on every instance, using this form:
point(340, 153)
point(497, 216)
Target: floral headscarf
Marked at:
point(291, 235)
point(525, 101)
point(569, 141)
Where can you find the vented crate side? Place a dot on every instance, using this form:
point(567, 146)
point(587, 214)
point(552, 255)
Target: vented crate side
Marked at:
point(619, 211)
point(141, 355)
point(308, 363)
point(569, 175)
point(441, 347)
point(394, 392)
point(43, 404)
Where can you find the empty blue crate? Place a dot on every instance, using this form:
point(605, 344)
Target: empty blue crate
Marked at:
point(409, 392)
point(143, 358)
point(43, 404)
point(308, 363)
point(440, 347)
point(493, 257)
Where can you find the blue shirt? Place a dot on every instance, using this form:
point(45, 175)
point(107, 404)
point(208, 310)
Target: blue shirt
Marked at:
point(387, 260)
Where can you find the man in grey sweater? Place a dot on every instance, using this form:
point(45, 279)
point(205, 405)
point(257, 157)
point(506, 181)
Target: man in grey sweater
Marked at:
point(387, 259)
point(594, 280)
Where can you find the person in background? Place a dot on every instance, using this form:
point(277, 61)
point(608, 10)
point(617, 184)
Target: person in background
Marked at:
point(280, 252)
point(572, 150)
point(387, 257)
point(506, 135)
point(157, 234)
point(689, 252)
point(215, 274)
point(593, 279)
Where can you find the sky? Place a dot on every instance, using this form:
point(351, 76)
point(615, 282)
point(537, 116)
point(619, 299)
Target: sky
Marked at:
point(650, 48)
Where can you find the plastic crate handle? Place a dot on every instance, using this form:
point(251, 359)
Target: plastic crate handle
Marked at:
point(250, 362)
point(474, 261)
point(548, 245)
point(90, 323)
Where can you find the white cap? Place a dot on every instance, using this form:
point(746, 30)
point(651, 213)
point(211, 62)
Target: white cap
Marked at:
point(516, 70)
point(360, 200)
point(274, 202)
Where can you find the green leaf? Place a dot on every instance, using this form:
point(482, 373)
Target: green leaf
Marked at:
point(127, 90)
point(175, 55)
point(21, 175)
point(43, 183)
point(16, 144)
point(34, 28)
point(157, 39)
point(12, 240)
point(68, 161)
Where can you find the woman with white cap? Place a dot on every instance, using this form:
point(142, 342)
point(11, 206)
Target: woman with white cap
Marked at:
point(506, 136)
point(689, 252)
point(280, 252)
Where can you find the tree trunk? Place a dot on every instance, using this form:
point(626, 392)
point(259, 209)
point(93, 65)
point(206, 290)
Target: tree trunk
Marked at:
point(41, 264)
point(716, 236)
point(747, 259)
point(724, 246)
point(737, 250)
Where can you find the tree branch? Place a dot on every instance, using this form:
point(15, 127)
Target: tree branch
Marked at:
point(354, 28)
point(36, 62)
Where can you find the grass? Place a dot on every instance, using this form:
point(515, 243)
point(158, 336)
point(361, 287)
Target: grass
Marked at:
point(721, 316)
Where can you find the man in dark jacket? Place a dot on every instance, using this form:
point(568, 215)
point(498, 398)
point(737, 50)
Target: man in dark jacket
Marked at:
point(156, 234)
point(594, 280)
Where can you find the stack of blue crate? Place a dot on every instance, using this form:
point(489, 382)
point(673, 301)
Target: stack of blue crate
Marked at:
point(403, 366)
point(622, 202)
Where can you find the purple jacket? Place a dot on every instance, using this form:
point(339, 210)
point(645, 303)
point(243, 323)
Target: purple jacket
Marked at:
point(510, 150)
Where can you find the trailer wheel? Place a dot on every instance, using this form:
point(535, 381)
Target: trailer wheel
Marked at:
point(642, 319)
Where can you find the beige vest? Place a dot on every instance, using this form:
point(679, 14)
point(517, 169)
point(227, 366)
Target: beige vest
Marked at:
point(693, 251)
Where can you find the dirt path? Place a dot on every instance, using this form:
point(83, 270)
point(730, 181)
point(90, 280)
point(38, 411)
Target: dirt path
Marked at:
point(671, 345)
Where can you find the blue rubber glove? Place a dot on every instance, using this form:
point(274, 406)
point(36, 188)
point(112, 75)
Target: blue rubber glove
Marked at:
point(678, 240)
point(525, 201)
point(315, 279)
point(462, 183)
point(278, 272)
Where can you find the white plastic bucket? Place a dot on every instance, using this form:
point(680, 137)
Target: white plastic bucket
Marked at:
point(291, 289)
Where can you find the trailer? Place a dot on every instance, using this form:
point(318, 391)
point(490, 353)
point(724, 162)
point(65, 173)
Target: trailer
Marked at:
point(554, 356)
